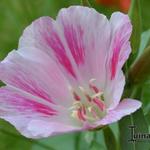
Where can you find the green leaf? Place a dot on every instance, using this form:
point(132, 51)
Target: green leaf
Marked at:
point(145, 14)
point(97, 146)
point(125, 133)
point(147, 117)
point(145, 41)
point(89, 137)
point(59, 142)
point(11, 139)
point(140, 70)
point(109, 138)
point(135, 16)
point(85, 3)
point(139, 121)
point(145, 98)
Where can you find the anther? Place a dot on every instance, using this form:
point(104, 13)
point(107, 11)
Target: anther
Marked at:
point(80, 114)
point(76, 96)
point(97, 95)
point(99, 103)
point(84, 92)
point(92, 86)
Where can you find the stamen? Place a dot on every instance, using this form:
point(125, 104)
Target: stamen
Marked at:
point(84, 92)
point(99, 103)
point(94, 113)
point(80, 114)
point(92, 86)
point(88, 105)
point(97, 95)
point(92, 80)
point(74, 114)
point(76, 96)
point(76, 105)
point(84, 110)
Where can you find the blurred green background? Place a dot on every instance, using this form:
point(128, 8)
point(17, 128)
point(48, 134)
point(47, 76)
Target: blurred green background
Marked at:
point(15, 15)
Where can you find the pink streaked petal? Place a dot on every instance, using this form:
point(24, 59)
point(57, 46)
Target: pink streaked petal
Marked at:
point(126, 107)
point(79, 40)
point(88, 36)
point(36, 76)
point(73, 33)
point(33, 117)
point(121, 32)
point(45, 35)
point(15, 102)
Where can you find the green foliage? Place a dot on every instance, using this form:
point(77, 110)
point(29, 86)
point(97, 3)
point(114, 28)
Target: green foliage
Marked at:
point(17, 14)
point(135, 16)
point(145, 41)
point(9, 138)
point(140, 70)
point(145, 14)
point(138, 119)
point(85, 3)
point(109, 139)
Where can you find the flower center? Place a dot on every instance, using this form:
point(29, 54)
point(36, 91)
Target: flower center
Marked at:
point(88, 103)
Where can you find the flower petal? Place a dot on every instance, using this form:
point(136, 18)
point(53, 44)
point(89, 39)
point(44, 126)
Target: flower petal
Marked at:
point(87, 34)
point(78, 39)
point(39, 76)
point(114, 90)
point(40, 128)
point(119, 52)
point(33, 117)
point(120, 46)
point(45, 34)
point(126, 107)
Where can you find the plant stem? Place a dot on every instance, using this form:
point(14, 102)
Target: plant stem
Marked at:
point(85, 3)
point(77, 141)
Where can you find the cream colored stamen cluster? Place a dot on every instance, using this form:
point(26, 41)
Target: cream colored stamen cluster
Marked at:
point(88, 107)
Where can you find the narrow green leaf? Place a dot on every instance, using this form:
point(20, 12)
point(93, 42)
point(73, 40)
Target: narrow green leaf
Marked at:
point(146, 98)
point(85, 3)
point(140, 70)
point(59, 142)
point(9, 137)
point(97, 146)
point(125, 133)
point(77, 141)
point(135, 16)
point(147, 117)
point(89, 137)
point(145, 14)
point(140, 123)
point(141, 127)
point(145, 41)
point(109, 139)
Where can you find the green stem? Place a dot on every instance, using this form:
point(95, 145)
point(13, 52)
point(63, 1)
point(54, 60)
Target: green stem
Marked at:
point(94, 139)
point(77, 141)
point(109, 139)
point(85, 3)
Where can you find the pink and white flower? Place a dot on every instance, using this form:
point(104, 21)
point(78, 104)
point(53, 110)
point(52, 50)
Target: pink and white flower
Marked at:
point(66, 74)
